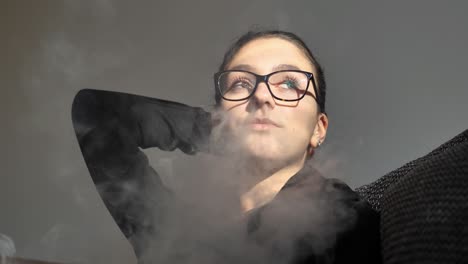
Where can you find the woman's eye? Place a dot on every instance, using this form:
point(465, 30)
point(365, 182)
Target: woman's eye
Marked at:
point(241, 84)
point(289, 84)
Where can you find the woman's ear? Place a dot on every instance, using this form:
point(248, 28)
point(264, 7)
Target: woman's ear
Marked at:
point(320, 131)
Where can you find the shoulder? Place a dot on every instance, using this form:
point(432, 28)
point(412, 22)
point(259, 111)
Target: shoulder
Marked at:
point(321, 218)
point(359, 239)
point(348, 216)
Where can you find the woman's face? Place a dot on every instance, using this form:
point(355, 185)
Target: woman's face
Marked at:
point(266, 128)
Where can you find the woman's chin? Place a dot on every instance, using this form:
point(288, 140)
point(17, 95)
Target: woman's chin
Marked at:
point(266, 152)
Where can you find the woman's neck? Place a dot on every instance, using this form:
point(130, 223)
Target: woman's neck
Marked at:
point(267, 182)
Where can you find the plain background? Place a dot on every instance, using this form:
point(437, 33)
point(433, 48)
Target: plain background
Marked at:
point(397, 88)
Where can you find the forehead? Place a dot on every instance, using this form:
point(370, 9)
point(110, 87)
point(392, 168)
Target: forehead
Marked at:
point(265, 54)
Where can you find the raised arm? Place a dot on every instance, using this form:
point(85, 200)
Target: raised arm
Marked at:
point(111, 127)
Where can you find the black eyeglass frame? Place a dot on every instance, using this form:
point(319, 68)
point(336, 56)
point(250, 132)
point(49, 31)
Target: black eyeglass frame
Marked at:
point(265, 78)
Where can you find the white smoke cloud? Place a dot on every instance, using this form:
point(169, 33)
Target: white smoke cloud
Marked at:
point(7, 246)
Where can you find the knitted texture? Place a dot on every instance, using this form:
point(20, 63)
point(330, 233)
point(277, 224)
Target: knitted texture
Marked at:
point(374, 191)
point(424, 217)
point(424, 207)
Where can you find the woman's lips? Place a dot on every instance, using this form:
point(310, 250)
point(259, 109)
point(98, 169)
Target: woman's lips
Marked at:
point(262, 124)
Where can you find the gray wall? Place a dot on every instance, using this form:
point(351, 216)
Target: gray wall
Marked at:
point(396, 72)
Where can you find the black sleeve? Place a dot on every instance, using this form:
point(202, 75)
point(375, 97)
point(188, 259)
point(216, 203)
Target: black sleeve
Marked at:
point(111, 128)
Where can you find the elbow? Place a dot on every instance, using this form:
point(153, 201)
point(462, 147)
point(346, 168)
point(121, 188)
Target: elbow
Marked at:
point(84, 111)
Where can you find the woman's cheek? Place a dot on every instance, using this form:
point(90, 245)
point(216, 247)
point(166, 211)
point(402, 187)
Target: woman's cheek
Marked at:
point(298, 137)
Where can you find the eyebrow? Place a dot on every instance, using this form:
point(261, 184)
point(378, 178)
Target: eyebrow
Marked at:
point(242, 67)
point(280, 67)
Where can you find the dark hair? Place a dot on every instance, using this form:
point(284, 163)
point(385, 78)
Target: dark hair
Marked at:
point(291, 37)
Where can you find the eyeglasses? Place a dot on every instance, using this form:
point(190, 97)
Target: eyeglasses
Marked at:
point(286, 85)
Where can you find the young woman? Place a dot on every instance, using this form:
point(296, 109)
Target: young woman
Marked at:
point(269, 119)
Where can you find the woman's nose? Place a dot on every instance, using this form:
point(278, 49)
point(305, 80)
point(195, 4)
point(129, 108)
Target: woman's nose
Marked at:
point(262, 95)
